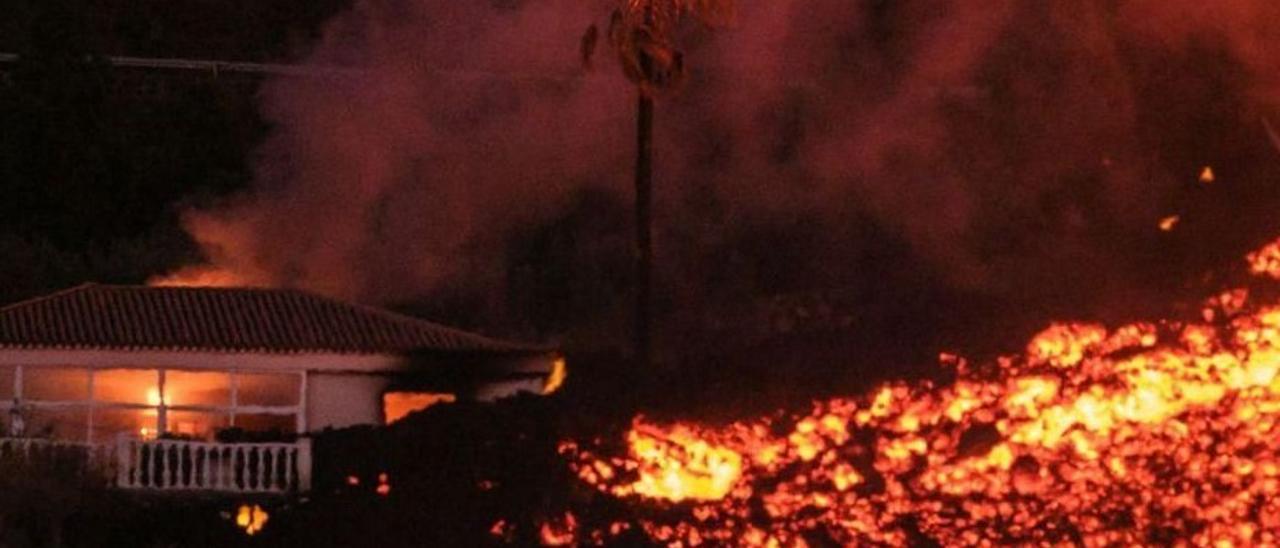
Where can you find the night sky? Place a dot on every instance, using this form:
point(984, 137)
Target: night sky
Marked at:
point(843, 188)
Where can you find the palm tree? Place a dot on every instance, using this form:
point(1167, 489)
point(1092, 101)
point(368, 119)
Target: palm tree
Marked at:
point(643, 34)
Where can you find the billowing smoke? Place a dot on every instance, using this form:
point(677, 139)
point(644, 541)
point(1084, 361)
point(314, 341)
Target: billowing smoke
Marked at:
point(1018, 149)
point(465, 119)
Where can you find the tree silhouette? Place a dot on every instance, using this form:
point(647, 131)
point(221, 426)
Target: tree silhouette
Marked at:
point(643, 33)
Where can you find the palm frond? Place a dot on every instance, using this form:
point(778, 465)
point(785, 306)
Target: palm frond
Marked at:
point(644, 30)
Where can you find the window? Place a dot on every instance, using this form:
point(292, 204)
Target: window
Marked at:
point(109, 422)
point(64, 423)
point(7, 373)
point(136, 386)
point(264, 423)
point(55, 384)
point(197, 388)
point(267, 389)
point(98, 405)
point(195, 424)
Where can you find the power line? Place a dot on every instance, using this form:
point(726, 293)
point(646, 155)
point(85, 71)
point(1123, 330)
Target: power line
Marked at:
point(312, 71)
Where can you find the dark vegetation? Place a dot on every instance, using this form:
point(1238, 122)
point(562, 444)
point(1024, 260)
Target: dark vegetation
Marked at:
point(453, 471)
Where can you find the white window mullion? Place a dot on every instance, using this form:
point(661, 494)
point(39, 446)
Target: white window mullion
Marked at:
point(161, 423)
point(302, 403)
point(88, 434)
point(235, 395)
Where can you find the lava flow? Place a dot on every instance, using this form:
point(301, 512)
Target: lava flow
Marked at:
point(1149, 433)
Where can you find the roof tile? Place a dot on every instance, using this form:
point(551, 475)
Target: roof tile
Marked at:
point(226, 319)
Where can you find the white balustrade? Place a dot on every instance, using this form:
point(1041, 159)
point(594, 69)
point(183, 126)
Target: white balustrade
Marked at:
point(204, 466)
point(176, 465)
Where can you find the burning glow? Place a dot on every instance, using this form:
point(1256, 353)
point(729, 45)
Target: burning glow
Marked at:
point(251, 518)
point(398, 405)
point(1149, 433)
point(153, 396)
point(1167, 223)
point(555, 379)
point(200, 276)
point(1206, 175)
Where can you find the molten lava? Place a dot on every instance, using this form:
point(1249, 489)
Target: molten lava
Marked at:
point(1266, 261)
point(1149, 433)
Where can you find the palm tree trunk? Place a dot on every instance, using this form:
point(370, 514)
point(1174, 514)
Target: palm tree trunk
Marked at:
point(644, 230)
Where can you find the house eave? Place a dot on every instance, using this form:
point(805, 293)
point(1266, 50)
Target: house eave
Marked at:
point(205, 359)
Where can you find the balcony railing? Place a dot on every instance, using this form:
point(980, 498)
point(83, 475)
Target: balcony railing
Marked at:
point(203, 466)
point(176, 465)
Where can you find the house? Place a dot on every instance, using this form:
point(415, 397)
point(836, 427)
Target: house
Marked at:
point(219, 388)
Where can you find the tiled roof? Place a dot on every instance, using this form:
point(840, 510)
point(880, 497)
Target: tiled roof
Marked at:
point(94, 316)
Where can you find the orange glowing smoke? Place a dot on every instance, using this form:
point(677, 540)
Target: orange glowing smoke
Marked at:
point(1150, 433)
point(201, 276)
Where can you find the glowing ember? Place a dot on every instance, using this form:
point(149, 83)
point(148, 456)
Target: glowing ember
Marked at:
point(384, 485)
point(251, 518)
point(1167, 223)
point(560, 532)
point(1149, 433)
point(502, 530)
point(1206, 175)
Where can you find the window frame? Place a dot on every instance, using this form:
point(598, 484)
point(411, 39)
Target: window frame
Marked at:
point(91, 404)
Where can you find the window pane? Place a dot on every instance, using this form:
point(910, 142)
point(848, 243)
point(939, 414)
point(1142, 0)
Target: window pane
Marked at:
point(55, 384)
point(135, 423)
point(211, 389)
point(66, 424)
point(6, 383)
point(282, 424)
point(196, 425)
point(266, 389)
point(140, 386)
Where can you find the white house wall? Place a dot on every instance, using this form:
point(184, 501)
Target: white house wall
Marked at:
point(340, 390)
point(342, 400)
